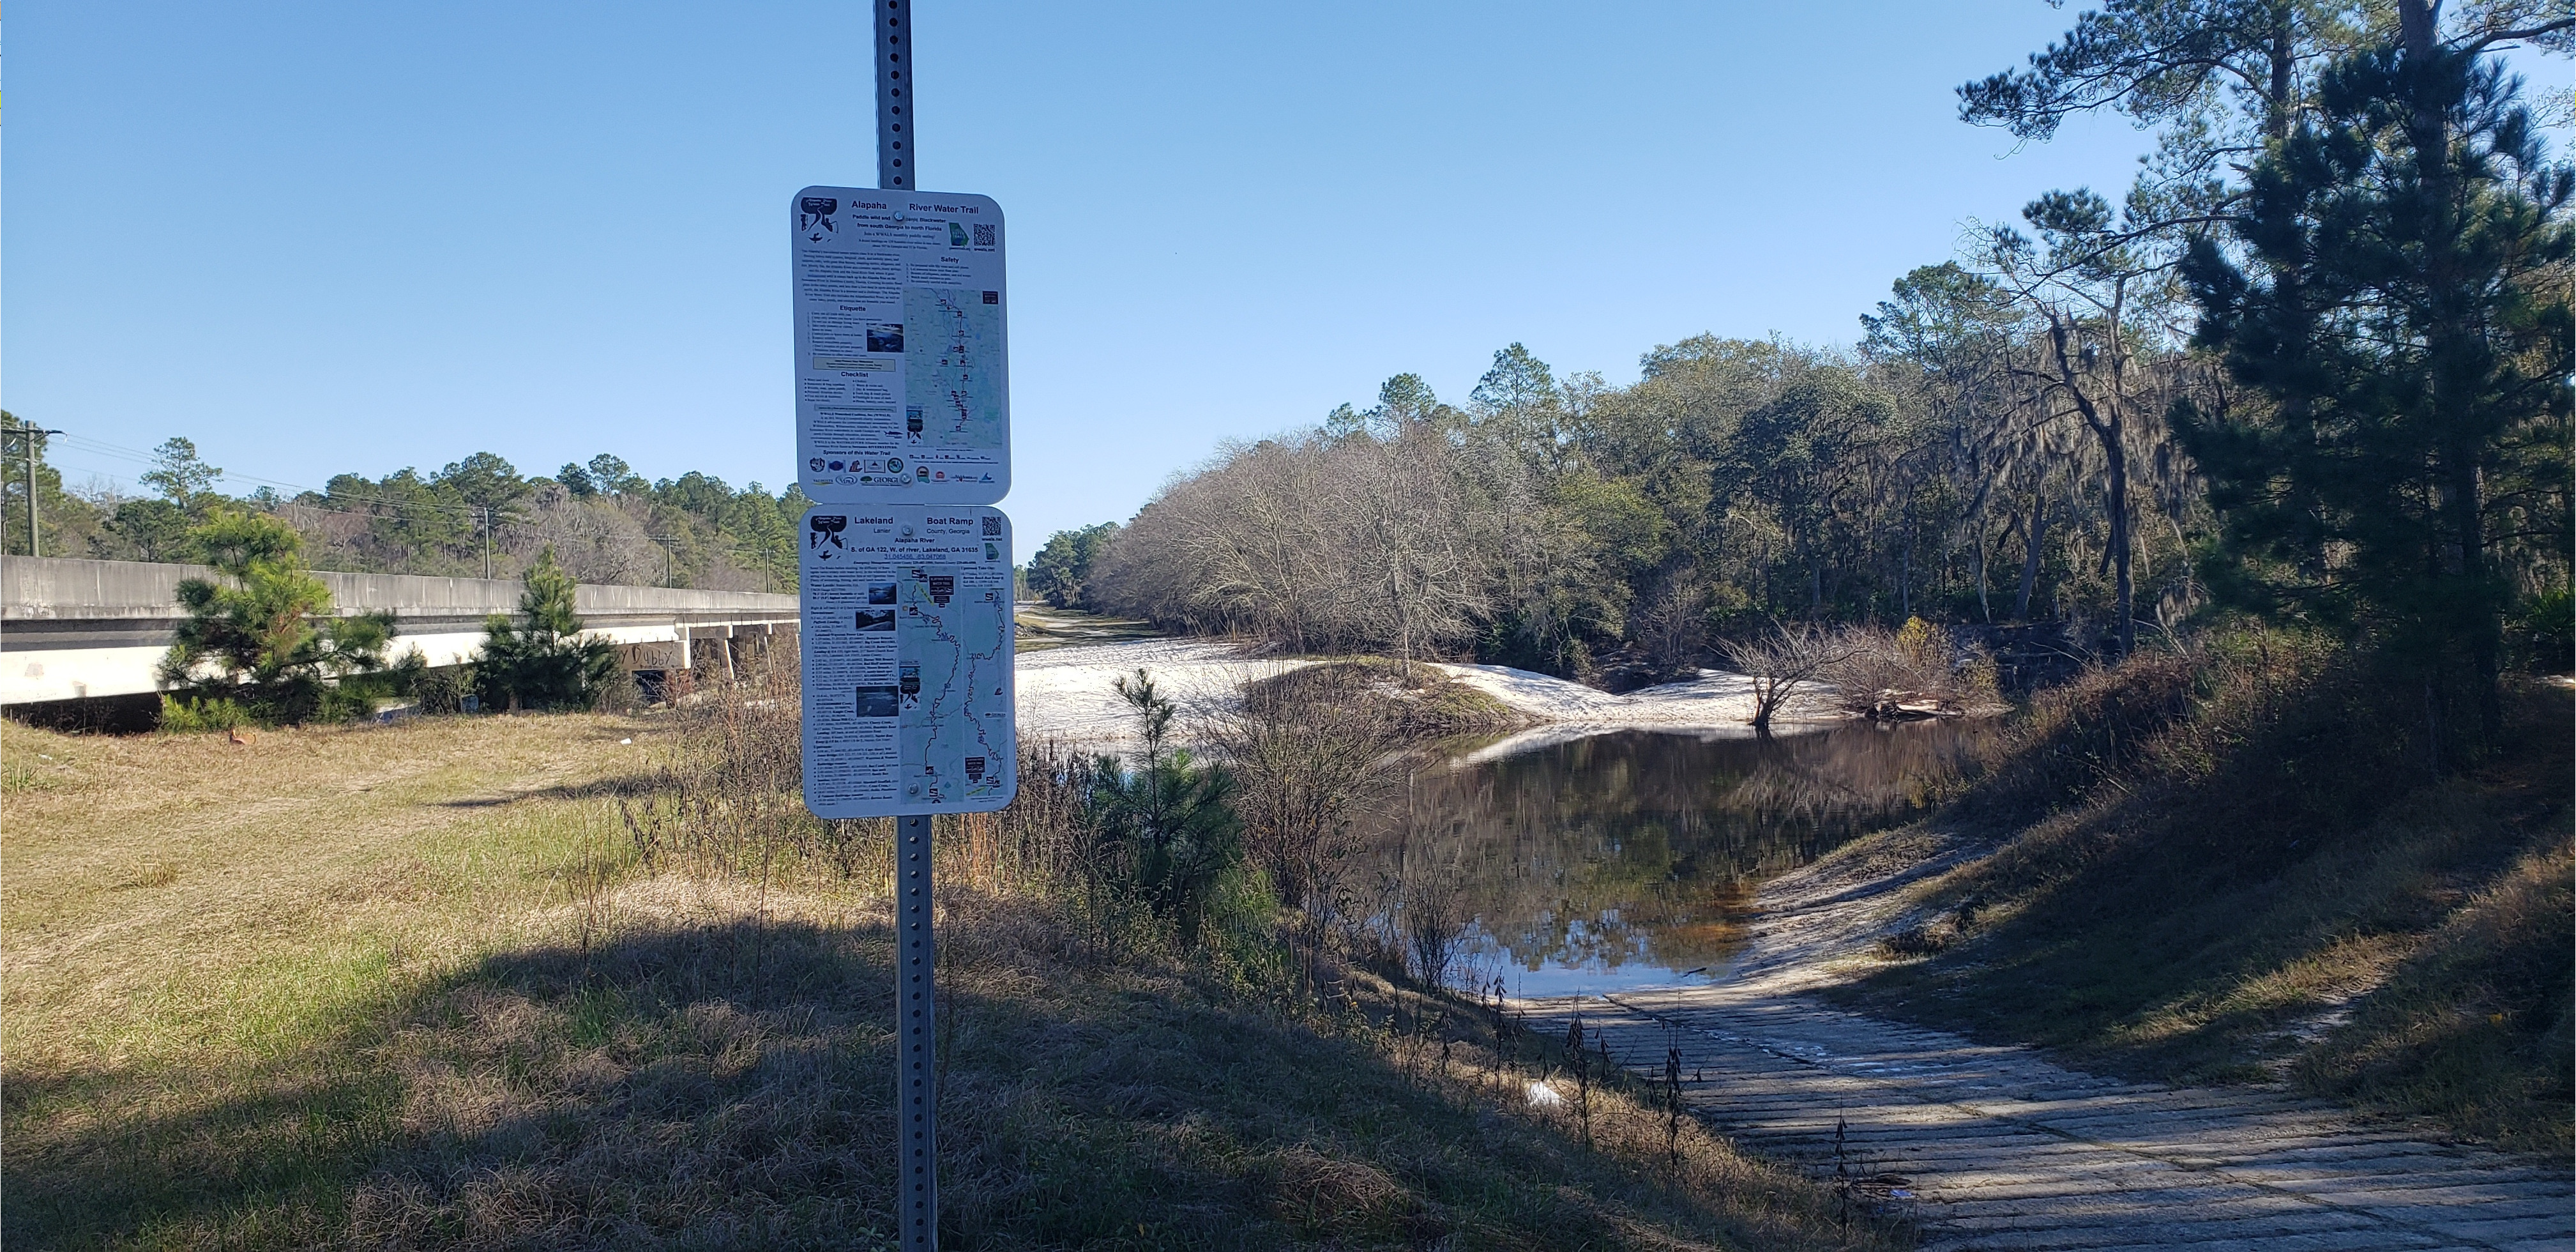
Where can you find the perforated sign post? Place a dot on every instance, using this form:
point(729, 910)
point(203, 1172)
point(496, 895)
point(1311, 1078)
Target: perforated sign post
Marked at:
point(903, 435)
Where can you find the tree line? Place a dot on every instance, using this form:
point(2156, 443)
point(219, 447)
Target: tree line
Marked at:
point(2309, 370)
point(475, 517)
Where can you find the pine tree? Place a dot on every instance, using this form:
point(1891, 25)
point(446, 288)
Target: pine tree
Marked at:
point(2397, 306)
point(1169, 815)
point(265, 637)
point(180, 475)
point(1060, 568)
point(540, 660)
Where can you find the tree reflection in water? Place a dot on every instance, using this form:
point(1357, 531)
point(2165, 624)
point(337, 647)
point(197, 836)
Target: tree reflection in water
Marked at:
point(1624, 859)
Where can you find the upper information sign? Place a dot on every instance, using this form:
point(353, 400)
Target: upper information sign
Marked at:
point(902, 358)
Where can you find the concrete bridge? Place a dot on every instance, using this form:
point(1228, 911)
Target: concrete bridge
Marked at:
point(88, 630)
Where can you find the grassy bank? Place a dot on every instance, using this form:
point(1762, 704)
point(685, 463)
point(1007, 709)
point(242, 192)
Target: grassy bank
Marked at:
point(425, 985)
point(1416, 702)
point(2240, 867)
point(1041, 627)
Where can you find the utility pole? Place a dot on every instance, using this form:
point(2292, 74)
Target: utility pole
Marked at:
point(916, 1008)
point(487, 542)
point(27, 437)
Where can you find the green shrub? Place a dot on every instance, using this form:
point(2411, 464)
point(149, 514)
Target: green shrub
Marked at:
point(201, 714)
point(2544, 633)
point(439, 691)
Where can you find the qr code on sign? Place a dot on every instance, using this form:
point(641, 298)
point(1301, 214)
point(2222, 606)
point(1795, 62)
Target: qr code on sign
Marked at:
point(992, 527)
point(984, 235)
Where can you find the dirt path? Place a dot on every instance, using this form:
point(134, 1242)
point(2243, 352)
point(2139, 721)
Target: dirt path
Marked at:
point(1999, 1148)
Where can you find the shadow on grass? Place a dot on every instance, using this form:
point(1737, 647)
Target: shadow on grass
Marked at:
point(2209, 915)
point(262, 1155)
point(730, 1085)
point(631, 785)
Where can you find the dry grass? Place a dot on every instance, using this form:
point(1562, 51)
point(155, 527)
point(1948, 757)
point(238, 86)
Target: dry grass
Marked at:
point(417, 986)
point(722, 1084)
point(135, 878)
point(2476, 1025)
point(2227, 868)
point(1414, 702)
point(1914, 670)
point(199, 933)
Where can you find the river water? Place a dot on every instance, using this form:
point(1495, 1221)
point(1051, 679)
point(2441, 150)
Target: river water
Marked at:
point(1630, 858)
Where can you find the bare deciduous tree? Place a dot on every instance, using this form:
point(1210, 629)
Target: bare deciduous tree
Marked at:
point(1779, 663)
point(1306, 749)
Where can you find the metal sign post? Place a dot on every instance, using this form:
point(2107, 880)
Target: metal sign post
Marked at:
point(894, 95)
point(915, 1085)
point(916, 1008)
point(902, 391)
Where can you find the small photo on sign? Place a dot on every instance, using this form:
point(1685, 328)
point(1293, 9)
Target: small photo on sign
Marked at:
point(878, 701)
point(876, 619)
point(885, 336)
point(880, 593)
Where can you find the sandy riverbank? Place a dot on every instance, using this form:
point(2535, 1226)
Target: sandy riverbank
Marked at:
point(1065, 693)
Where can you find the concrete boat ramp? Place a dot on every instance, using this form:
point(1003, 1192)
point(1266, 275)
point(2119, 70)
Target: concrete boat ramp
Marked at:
point(1998, 1148)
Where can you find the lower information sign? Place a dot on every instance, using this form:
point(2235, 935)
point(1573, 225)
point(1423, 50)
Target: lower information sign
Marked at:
point(907, 660)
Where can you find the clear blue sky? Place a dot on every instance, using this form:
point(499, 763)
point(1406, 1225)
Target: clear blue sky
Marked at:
point(334, 236)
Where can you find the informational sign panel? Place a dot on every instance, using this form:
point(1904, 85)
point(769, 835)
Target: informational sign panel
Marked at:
point(907, 660)
point(902, 358)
